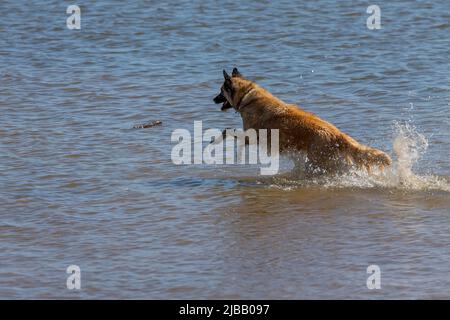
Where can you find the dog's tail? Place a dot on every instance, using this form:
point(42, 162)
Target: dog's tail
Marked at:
point(363, 156)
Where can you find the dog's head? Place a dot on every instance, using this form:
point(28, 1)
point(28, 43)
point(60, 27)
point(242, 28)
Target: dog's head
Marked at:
point(233, 90)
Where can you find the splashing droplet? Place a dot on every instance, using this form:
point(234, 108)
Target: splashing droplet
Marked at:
point(409, 145)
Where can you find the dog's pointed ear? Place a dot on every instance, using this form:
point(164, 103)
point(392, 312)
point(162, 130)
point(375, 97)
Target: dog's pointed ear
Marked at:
point(226, 76)
point(236, 73)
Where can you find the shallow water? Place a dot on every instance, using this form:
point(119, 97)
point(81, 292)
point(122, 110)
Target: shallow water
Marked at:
point(79, 186)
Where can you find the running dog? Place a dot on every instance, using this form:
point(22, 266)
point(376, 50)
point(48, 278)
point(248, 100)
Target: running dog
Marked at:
point(326, 147)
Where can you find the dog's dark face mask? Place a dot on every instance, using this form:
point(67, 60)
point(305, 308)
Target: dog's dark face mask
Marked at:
point(227, 90)
point(220, 98)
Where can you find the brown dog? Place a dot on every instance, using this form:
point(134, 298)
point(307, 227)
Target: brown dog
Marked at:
point(326, 147)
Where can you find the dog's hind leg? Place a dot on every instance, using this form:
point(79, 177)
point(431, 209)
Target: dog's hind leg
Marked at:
point(324, 161)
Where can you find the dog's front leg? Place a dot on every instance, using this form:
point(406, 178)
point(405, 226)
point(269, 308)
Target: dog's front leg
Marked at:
point(235, 134)
point(226, 132)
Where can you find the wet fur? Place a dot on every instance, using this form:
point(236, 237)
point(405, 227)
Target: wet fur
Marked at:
point(326, 147)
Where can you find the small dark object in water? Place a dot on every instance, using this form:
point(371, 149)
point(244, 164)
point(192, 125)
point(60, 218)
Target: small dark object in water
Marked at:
point(147, 125)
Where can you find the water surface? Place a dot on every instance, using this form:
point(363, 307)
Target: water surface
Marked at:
point(79, 186)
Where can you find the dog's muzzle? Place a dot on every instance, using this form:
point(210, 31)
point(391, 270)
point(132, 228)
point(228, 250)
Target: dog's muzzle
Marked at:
point(220, 98)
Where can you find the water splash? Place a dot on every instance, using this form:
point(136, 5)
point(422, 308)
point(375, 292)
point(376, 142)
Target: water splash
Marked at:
point(408, 146)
